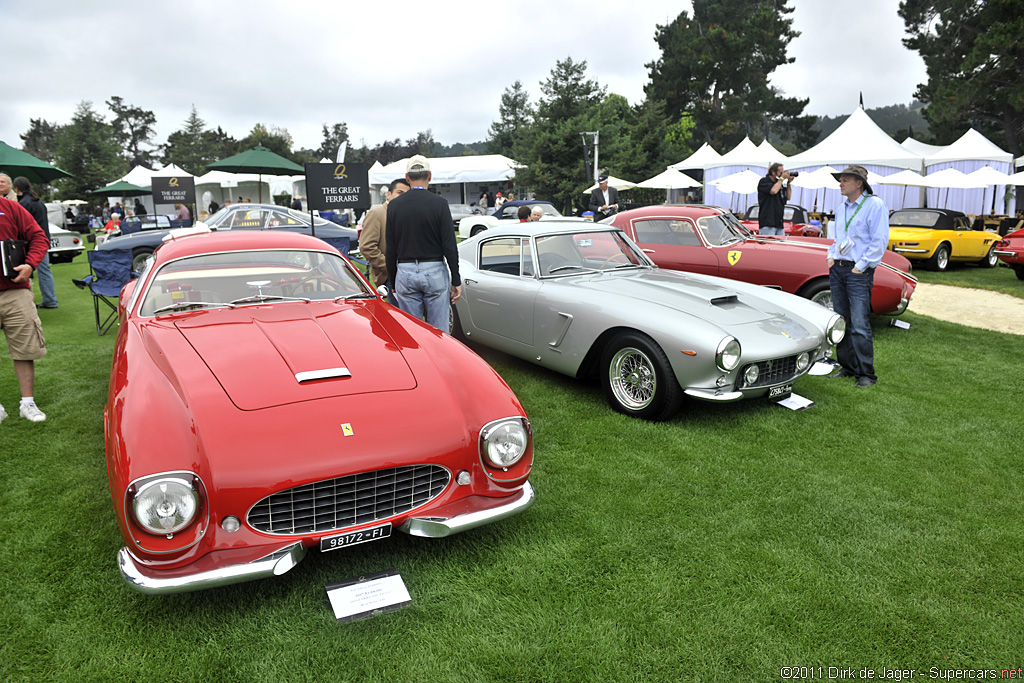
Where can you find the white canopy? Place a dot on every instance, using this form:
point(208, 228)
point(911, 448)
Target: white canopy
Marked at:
point(972, 146)
point(743, 182)
point(858, 140)
point(699, 159)
point(482, 168)
point(617, 183)
point(922, 148)
point(748, 154)
point(818, 179)
point(907, 178)
point(669, 179)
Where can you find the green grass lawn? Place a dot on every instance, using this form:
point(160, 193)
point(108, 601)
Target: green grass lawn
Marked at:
point(998, 279)
point(881, 527)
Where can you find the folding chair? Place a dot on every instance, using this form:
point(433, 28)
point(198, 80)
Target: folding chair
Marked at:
point(110, 270)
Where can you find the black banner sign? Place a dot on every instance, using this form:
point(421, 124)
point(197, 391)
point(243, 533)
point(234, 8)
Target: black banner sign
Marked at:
point(337, 186)
point(174, 190)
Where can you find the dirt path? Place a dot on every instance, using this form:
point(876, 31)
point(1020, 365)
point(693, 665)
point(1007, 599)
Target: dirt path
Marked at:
point(971, 307)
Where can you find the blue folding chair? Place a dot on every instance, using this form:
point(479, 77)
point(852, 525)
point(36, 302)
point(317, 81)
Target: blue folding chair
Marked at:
point(110, 271)
point(131, 225)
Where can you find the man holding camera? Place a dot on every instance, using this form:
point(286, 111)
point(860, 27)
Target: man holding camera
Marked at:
point(773, 191)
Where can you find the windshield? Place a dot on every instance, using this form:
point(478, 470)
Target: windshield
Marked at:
point(249, 277)
point(586, 252)
point(721, 229)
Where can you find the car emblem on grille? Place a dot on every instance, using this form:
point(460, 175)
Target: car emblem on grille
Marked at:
point(346, 429)
point(769, 365)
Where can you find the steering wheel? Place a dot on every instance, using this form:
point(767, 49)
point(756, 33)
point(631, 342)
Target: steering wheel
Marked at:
point(319, 278)
point(549, 261)
point(610, 258)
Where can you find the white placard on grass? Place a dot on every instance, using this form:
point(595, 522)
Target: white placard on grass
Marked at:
point(368, 595)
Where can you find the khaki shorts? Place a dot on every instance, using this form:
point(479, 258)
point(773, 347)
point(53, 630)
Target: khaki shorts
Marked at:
point(21, 325)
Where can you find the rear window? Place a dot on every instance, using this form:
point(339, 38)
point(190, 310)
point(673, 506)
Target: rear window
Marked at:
point(915, 219)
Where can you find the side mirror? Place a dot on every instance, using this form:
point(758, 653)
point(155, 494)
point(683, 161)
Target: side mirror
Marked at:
point(383, 291)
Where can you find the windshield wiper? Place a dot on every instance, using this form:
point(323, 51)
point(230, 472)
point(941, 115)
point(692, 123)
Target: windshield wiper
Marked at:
point(357, 295)
point(259, 298)
point(189, 304)
point(570, 265)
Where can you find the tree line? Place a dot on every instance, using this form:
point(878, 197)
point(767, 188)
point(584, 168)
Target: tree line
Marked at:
point(711, 83)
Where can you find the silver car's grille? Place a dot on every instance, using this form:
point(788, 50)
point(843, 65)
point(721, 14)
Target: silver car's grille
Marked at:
point(347, 501)
point(774, 371)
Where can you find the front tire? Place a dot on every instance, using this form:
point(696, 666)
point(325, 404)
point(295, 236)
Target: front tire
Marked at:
point(1019, 270)
point(940, 259)
point(638, 379)
point(140, 256)
point(476, 230)
point(990, 260)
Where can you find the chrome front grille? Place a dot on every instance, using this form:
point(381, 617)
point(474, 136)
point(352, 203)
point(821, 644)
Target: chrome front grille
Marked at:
point(774, 371)
point(348, 501)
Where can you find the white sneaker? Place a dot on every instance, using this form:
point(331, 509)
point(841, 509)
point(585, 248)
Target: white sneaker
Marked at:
point(29, 411)
point(3, 414)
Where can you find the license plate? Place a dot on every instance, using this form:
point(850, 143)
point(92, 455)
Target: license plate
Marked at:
point(780, 391)
point(355, 537)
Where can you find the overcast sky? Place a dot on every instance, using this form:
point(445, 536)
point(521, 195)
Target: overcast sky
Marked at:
point(390, 69)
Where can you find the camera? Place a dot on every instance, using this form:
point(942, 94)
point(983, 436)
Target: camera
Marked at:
point(794, 174)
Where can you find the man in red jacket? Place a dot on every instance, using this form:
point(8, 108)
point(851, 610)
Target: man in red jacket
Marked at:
point(18, 316)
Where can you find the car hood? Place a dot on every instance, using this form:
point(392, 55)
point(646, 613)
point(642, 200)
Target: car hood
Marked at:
point(705, 297)
point(259, 354)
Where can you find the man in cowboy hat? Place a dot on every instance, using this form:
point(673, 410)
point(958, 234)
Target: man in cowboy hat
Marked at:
point(604, 200)
point(861, 235)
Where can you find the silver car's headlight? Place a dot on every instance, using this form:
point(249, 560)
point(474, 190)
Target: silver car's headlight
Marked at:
point(165, 504)
point(504, 442)
point(727, 357)
point(836, 329)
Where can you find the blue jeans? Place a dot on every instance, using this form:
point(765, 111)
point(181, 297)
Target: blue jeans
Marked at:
point(851, 298)
point(424, 288)
point(46, 285)
point(771, 231)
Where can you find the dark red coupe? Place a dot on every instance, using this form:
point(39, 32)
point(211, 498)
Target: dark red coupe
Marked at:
point(264, 400)
point(1010, 251)
point(710, 240)
point(794, 221)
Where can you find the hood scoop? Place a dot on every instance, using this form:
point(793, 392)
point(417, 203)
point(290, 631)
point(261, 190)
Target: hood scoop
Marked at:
point(728, 299)
point(326, 373)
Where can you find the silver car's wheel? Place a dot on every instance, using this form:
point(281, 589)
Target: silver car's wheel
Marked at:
point(140, 257)
point(632, 377)
point(476, 230)
point(819, 291)
point(638, 379)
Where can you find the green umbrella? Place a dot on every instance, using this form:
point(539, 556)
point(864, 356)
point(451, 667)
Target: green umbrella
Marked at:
point(16, 163)
point(258, 160)
point(122, 189)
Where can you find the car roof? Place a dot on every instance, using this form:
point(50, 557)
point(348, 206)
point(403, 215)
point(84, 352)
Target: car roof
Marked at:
point(548, 227)
point(942, 212)
point(523, 202)
point(207, 242)
point(675, 210)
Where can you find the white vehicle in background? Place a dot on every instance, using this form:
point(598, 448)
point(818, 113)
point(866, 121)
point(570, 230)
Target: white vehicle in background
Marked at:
point(64, 244)
point(506, 215)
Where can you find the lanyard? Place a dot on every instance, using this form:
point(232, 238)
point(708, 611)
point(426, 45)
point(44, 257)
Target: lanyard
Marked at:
point(850, 219)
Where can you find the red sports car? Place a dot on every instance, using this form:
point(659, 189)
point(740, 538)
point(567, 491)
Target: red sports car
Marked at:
point(1010, 251)
point(264, 400)
point(710, 240)
point(794, 221)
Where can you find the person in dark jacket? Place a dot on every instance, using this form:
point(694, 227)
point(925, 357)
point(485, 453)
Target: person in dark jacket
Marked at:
point(28, 198)
point(140, 208)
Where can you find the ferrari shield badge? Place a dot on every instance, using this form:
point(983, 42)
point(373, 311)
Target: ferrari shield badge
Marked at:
point(734, 257)
point(346, 429)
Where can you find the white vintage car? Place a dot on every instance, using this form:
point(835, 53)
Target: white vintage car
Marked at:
point(64, 244)
point(507, 215)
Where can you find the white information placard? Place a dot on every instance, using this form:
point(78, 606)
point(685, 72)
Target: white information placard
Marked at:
point(796, 402)
point(365, 596)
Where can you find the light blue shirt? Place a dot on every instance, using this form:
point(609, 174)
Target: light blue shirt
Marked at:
point(865, 223)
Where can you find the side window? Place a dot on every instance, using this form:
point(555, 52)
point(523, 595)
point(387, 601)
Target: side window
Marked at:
point(282, 219)
point(527, 269)
point(666, 231)
point(502, 255)
point(248, 219)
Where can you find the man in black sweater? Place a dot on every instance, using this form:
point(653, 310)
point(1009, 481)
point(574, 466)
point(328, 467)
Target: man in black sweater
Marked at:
point(419, 238)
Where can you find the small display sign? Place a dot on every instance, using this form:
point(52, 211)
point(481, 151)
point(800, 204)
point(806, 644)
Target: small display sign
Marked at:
point(174, 190)
point(337, 186)
point(366, 596)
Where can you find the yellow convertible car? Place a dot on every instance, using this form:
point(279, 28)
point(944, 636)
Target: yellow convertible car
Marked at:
point(939, 236)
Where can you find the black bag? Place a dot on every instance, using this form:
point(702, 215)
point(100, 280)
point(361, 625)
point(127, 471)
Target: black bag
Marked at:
point(12, 254)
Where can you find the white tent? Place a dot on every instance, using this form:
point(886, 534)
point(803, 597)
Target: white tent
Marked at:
point(970, 153)
point(223, 186)
point(858, 140)
point(699, 159)
point(669, 179)
point(143, 177)
point(618, 183)
point(922, 148)
point(746, 156)
point(451, 175)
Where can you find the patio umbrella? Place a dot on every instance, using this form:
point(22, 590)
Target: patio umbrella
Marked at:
point(819, 179)
point(258, 160)
point(670, 179)
point(951, 178)
point(16, 163)
point(991, 176)
point(906, 178)
point(618, 183)
point(123, 190)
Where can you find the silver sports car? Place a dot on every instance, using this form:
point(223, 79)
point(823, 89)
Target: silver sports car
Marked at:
point(583, 299)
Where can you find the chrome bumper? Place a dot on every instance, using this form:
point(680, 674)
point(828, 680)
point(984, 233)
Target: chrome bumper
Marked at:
point(439, 527)
point(143, 580)
point(905, 250)
point(714, 394)
point(998, 252)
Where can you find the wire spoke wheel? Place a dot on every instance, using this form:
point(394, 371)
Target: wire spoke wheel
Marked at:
point(633, 379)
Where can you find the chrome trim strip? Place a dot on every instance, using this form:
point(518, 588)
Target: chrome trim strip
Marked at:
point(325, 373)
point(899, 272)
point(435, 527)
point(275, 564)
point(1004, 253)
point(900, 250)
point(565, 329)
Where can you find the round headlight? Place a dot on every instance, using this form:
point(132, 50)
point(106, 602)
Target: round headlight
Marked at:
point(836, 329)
point(802, 361)
point(751, 375)
point(504, 442)
point(165, 505)
point(728, 354)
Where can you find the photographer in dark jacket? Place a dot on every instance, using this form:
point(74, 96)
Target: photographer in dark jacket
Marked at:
point(28, 198)
point(773, 191)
